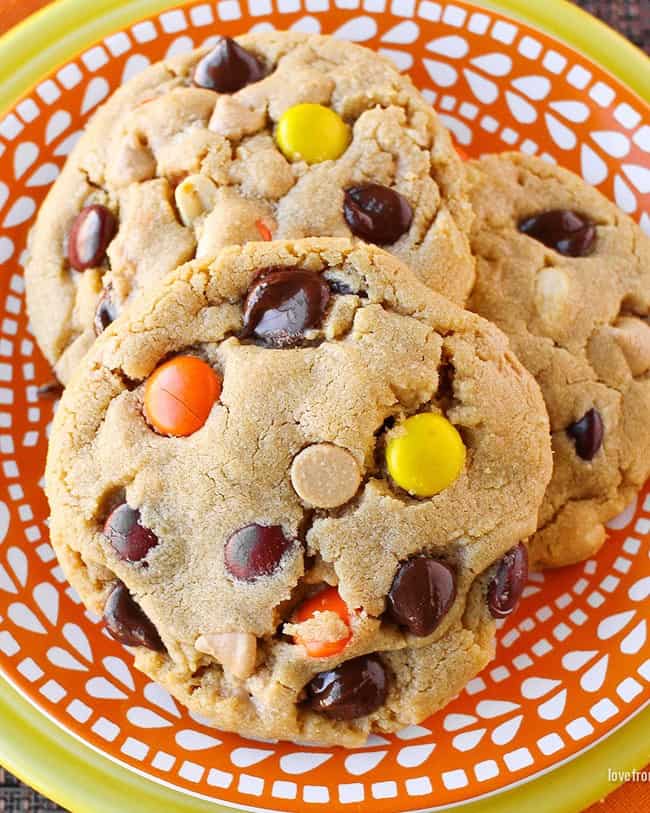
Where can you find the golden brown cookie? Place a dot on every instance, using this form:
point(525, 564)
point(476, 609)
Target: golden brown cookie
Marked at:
point(232, 481)
point(566, 276)
point(277, 135)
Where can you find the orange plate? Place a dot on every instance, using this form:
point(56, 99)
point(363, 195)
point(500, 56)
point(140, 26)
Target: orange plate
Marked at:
point(572, 665)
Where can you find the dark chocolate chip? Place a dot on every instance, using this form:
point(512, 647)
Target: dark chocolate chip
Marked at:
point(377, 213)
point(126, 621)
point(92, 231)
point(105, 313)
point(51, 390)
point(506, 587)
point(564, 231)
point(422, 592)
point(255, 550)
point(282, 304)
point(228, 68)
point(354, 689)
point(130, 539)
point(587, 434)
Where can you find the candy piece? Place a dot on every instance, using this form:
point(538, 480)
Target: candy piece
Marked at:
point(552, 288)
point(327, 600)
point(126, 621)
point(506, 587)
point(179, 395)
point(421, 594)
point(355, 689)
point(282, 304)
point(92, 231)
point(587, 434)
point(235, 651)
point(377, 213)
point(325, 475)
point(130, 539)
point(106, 312)
point(564, 231)
point(255, 550)
point(263, 229)
point(425, 454)
point(195, 196)
point(312, 133)
point(228, 68)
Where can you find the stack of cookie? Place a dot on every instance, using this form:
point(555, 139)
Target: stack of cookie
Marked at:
point(289, 469)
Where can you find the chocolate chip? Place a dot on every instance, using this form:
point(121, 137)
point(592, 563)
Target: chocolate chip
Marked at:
point(255, 550)
point(228, 68)
point(587, 434)
point(377, 213)
point(505, 588)
point(354, 689)
point(92, 231)
point(130, 539)
point(564, 231)
point(126, 621)
point(51, 390)
point(105, 313)
point(284, 303)
point(421, 594)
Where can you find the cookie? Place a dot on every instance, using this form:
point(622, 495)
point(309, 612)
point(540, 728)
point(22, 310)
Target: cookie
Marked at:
point(566, 276)
point(295, 480)
point(276, 135)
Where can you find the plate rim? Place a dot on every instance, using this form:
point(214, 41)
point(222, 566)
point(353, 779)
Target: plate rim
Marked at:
point(37, 749)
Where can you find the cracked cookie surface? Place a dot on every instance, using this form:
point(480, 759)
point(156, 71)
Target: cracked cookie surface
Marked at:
point(265, 553)
point(185, 170)
point(566, 276)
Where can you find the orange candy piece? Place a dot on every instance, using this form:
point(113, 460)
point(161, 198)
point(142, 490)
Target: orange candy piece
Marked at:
point(327, 600)
point(263, 229)
point(179, 395)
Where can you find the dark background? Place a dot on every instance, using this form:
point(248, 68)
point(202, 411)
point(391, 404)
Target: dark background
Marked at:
point(632, 19)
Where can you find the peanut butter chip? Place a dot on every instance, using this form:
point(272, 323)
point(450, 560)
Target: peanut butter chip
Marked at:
point(235, 651)
point(325, 475)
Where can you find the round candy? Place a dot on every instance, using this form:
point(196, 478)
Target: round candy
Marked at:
point(425, 454)
point(126, 621)
point(354, 689)
point(328, 600)
point(255, 550)
point(421, 594)
point(566, 232)
point(325, 475)
point(312, 133)
point(92, 231)
point(131, 540)
point(284, 303)
point(587, 434)
point(377, 213)
point(228, 68)
point(179, 395)
point(105, 313)
point(508, 583)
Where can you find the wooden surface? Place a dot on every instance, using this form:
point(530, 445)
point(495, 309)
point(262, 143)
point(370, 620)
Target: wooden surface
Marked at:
point(632, 19)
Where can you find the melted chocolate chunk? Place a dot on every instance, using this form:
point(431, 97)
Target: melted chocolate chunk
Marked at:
point(564, 231)
point(507, 585)
point(354, 689)
point(130, 539)
point(127, 623)
point(587, 434)
point(228, 68)
point(377, 213)
point(282, 304)
point(421, 594)
point(255, 550)
point(92, 231)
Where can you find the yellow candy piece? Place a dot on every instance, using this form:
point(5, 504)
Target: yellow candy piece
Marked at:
point(312, 133)
point(425, 454)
